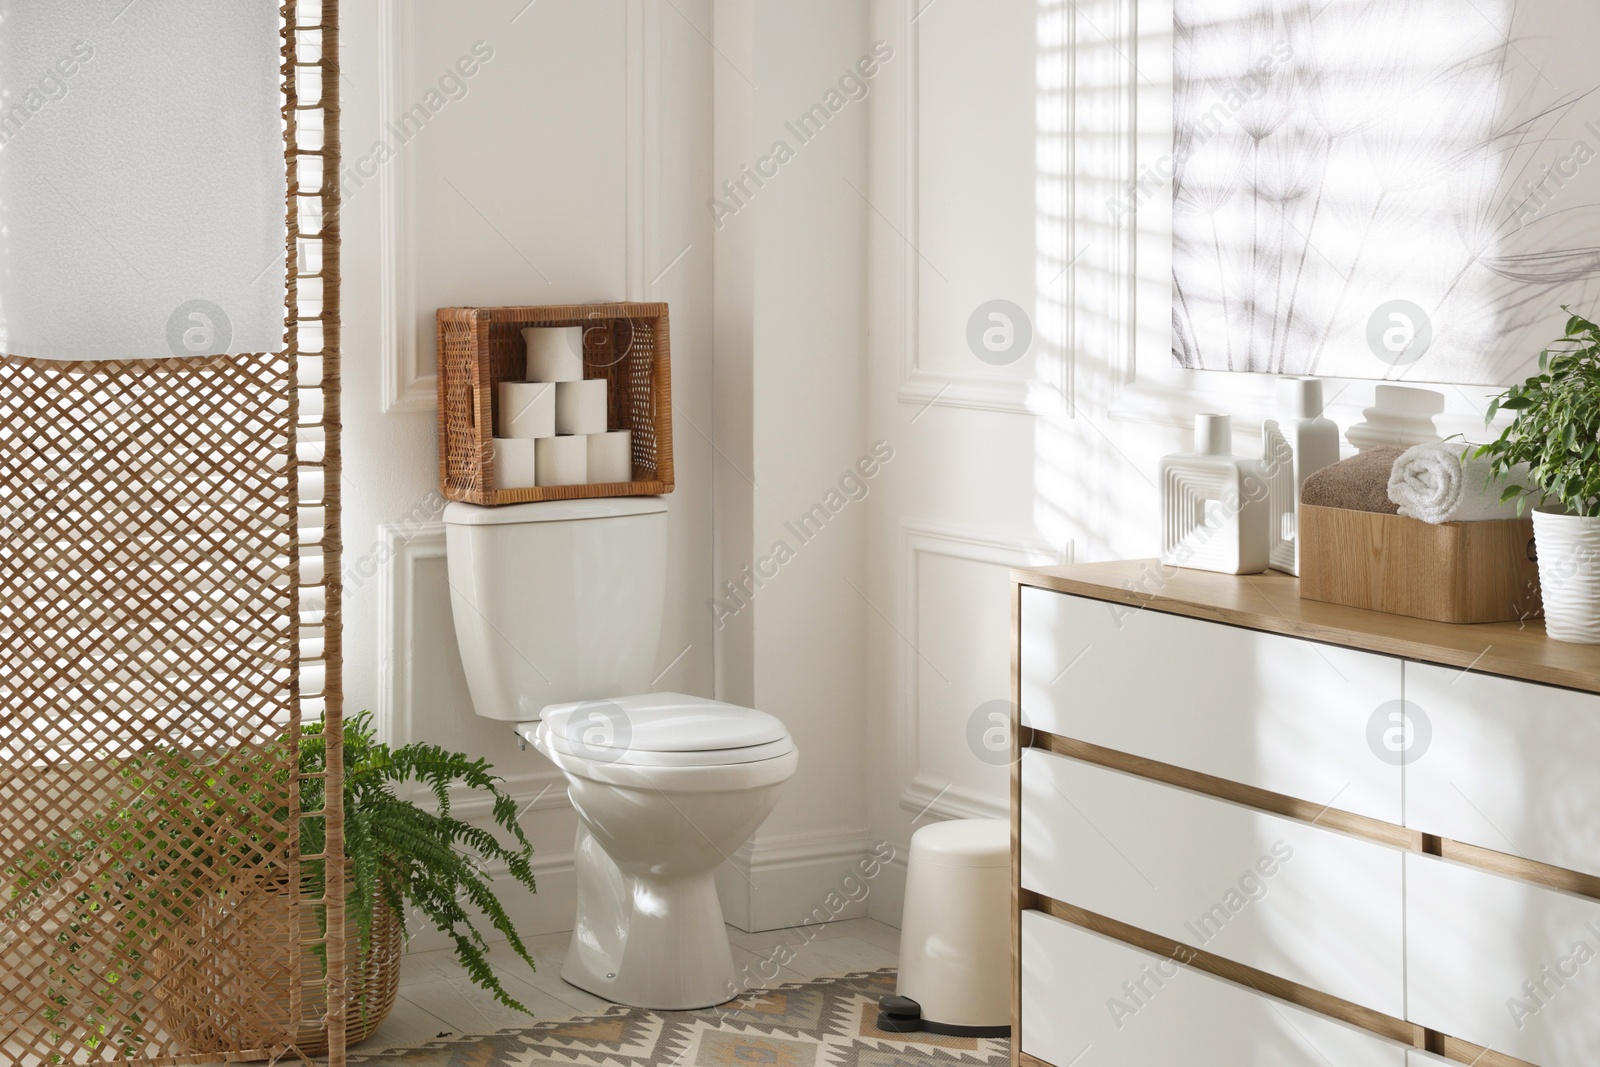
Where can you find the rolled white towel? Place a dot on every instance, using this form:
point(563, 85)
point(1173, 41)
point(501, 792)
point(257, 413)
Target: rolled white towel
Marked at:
point(1444, 482)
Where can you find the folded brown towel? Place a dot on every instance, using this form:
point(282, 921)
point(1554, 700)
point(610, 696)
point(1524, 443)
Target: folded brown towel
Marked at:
point(1360, 483)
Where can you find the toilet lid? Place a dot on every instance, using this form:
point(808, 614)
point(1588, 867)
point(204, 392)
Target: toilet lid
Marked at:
point(665, 728)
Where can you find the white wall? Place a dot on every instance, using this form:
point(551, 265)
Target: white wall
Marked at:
point(955, 172)
point(791, 311)
point(815, 314)
point(995, 158)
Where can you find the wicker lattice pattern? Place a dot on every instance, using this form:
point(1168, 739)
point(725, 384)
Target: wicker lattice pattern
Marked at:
point(233, 1019)
point(169, 596)
point(627, 344)
point(147, 597)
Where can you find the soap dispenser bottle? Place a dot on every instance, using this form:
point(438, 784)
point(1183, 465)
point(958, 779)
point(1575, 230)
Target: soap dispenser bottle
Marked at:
point(1297, 444)
point(1214, 504)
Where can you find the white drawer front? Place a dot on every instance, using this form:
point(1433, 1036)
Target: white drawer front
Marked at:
point(1274, 712)
point(1311, 905)
point(1503, 964)
point(1510, 766)
point(1091, 1001)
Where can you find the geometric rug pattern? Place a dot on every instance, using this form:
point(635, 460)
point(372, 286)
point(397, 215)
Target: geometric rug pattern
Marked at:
point(830, 1022)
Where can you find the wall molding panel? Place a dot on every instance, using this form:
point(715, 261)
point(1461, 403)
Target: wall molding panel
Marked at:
point(920, 385)
point(924, 792)
point(405, 385)
point(402, 548)
point(644, 147)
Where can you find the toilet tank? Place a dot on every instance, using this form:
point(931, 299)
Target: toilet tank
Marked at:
point(556, 601)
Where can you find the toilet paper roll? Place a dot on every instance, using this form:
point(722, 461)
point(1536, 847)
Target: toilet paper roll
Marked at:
point(611, 456)
point(555, 353)
point(562, 460)
point(581, 406)
point(527, 409)
point(515, 463)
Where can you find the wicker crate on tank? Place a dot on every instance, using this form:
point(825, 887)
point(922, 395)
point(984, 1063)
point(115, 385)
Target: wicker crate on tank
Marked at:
point(627, 344)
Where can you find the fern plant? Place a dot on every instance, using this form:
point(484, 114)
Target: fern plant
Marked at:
point(402, 853)
point(145, 852)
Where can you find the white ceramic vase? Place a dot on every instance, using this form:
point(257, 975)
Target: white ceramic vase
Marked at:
point(1214, 505)
point(1298, 443)
point(1399, 415)
point(1569, 574)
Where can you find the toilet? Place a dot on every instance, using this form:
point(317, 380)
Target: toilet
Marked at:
point(558, 610)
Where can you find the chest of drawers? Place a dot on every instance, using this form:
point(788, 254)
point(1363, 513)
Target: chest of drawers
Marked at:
point(1258, 830)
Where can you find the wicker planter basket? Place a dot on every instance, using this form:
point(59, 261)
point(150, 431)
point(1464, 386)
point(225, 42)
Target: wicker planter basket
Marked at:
point(227, 978)
point(626, 344)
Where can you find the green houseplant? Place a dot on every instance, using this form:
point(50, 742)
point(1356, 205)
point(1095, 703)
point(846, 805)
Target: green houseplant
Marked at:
point(401, 853)
point(1553, 442)
point(399, 856)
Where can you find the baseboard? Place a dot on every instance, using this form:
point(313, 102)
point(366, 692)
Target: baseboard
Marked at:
point(888, 900)
point(941, 800)
point(771, 883)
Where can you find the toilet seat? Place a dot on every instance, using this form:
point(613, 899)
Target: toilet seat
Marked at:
point(634, 757)
point(665, 732)
point(658, 778)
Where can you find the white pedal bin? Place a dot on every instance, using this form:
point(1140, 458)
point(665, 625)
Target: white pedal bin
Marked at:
point(955, 934)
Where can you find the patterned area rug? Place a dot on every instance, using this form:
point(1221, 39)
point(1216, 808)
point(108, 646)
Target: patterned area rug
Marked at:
point(830, 1022)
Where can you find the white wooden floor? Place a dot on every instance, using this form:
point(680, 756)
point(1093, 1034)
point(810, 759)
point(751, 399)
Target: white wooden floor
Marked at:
point(436, 998)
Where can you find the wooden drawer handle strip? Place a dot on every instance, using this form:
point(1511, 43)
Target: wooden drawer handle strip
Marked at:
point(1518, 867)
point(1543, 874)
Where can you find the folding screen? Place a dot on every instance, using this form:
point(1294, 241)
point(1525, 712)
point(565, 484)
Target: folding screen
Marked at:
point(169, 530)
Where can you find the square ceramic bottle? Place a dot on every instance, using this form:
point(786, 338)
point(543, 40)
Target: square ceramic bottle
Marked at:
point(1296, 445)
point(1214, 505)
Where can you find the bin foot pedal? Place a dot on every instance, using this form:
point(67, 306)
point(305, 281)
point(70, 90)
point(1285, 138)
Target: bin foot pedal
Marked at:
point(902, 1015)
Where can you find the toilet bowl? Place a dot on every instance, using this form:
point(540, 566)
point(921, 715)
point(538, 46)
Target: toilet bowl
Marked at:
point(666, 786)
point(557, 606)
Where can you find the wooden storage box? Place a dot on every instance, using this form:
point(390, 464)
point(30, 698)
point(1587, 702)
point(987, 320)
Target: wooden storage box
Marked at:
point(626, 344)
point(1451, 572)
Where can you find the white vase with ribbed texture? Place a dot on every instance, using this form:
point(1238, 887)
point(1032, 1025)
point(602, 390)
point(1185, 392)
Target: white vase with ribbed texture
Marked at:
point(1569, 574)
point(1214, 505)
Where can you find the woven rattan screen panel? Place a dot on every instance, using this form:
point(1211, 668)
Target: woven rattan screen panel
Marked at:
point(169, 561)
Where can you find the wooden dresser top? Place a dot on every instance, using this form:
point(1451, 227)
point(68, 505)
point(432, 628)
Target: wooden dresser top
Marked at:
point(1271, 602)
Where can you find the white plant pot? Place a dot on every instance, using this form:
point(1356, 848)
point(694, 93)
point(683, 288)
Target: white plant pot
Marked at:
point(1569, 574)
